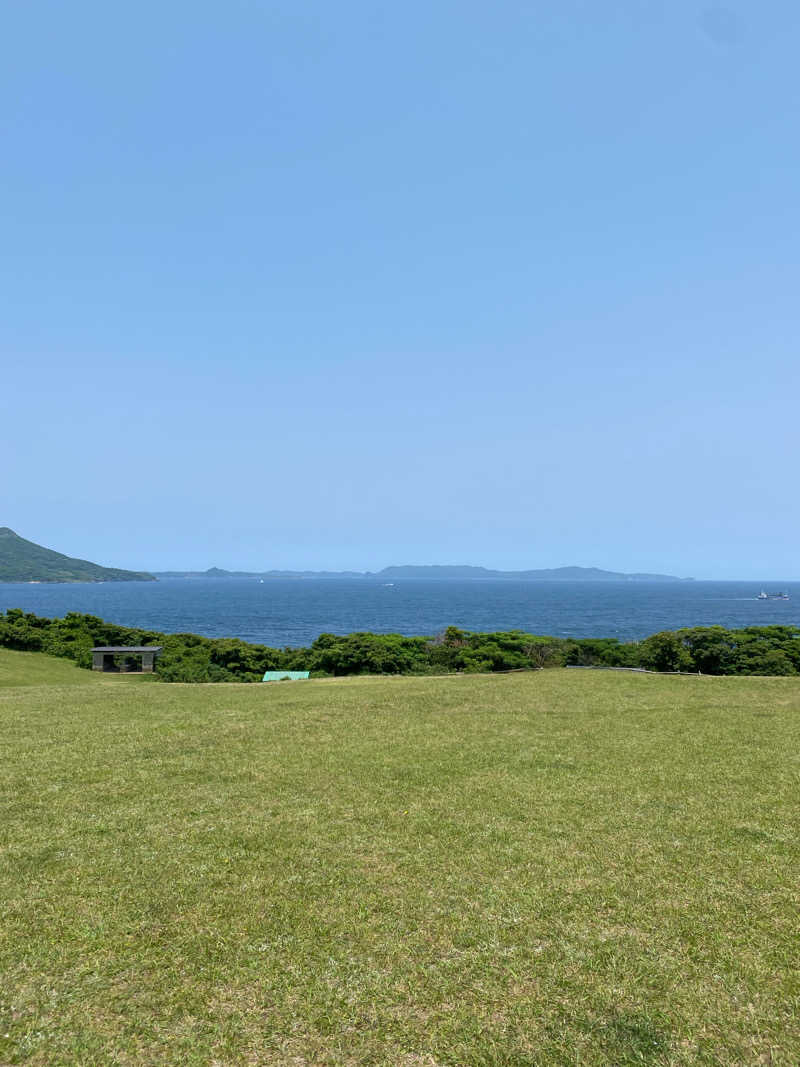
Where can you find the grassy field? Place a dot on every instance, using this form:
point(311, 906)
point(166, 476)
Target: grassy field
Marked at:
point(31, 668)
point(564, 867)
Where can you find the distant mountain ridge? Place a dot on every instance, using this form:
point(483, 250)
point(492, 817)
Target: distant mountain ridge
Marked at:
point(555, 574)
point(25, 561)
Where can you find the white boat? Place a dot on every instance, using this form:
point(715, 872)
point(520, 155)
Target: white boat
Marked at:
point(772, 596)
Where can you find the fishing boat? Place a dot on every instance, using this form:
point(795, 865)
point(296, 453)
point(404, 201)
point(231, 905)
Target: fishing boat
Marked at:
point(772, 596)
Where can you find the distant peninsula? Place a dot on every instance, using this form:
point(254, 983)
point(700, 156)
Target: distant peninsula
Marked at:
point(554, 574)
point(24, 561)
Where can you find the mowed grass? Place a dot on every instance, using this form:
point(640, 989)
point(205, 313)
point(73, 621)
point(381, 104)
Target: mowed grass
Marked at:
point(33, 668)
point(566, 867)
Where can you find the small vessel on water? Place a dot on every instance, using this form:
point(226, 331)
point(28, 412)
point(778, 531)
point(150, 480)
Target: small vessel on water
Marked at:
point(772, 596)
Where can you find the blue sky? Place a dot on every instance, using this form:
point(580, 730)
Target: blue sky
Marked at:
point(344, 285)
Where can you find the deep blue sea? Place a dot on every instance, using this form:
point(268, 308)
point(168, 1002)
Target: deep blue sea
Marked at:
point(281, 612)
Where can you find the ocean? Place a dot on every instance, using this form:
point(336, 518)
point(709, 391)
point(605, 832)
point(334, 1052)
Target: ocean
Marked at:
point(281, 612)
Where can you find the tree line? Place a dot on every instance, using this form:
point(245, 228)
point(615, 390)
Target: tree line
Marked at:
point(760, 650)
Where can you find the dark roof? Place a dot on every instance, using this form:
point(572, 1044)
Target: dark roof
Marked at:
point(127, 648)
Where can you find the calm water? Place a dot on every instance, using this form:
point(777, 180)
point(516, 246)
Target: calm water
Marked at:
point(293, 612)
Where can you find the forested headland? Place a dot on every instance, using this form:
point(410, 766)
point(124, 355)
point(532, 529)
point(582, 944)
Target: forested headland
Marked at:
point(756, 650)
point(25, 561)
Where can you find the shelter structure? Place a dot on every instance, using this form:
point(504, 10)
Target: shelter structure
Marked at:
point(104, 657)
point(280, 676)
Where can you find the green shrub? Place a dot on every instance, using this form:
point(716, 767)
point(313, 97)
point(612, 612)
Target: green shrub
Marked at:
point(193, 658)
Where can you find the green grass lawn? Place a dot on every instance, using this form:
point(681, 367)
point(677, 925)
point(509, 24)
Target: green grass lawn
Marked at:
point(564, 867)
point(32, 668)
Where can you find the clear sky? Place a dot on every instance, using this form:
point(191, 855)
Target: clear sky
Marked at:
point(294, 284)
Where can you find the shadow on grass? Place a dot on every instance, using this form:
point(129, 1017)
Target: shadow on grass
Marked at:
point(632, 1038)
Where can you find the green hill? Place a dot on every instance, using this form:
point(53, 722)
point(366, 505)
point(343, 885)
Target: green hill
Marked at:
point(24, 561)
point(35, 668)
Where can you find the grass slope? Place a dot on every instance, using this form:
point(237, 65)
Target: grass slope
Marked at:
point(34, 668)
point(25, 561)
point(551, 868)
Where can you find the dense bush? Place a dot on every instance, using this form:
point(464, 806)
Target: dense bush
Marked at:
point(191, 658)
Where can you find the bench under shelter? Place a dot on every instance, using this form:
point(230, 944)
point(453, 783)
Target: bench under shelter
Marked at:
point(107, 657)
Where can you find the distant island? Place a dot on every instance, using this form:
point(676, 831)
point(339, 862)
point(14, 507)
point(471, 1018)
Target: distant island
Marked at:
point(554, 574)
point(24, 561)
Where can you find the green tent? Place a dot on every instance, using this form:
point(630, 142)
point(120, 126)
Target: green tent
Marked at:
point(279, 676)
